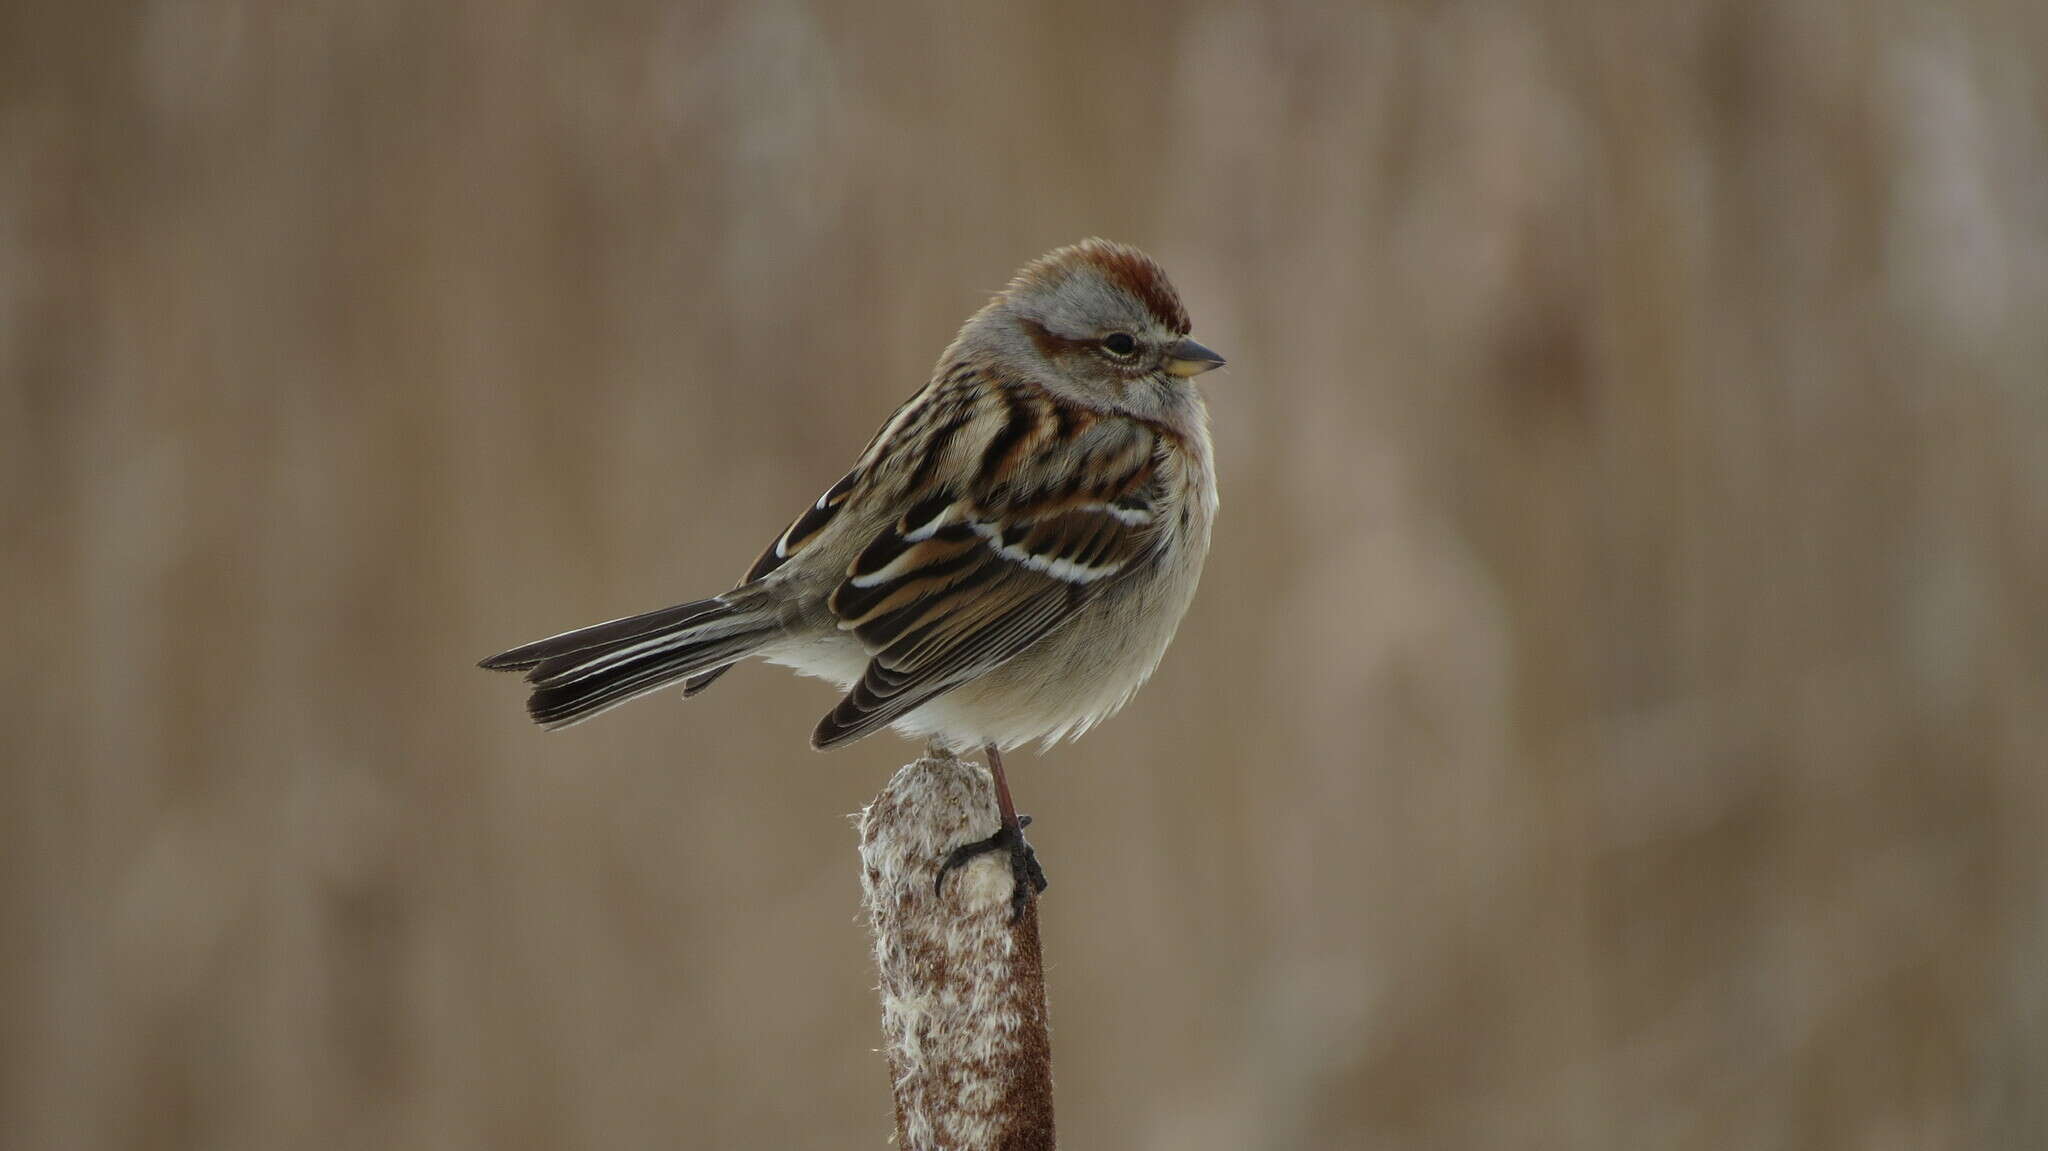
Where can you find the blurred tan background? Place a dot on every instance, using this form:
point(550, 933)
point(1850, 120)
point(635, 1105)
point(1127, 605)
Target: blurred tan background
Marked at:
point(1613, 716)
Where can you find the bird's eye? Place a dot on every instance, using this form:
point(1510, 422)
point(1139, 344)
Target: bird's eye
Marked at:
point(1119, 344)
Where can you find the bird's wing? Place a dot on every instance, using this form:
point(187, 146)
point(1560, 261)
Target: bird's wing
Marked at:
point(800, 532)
point(809, 525)
point(804, 528)
point(962, 582)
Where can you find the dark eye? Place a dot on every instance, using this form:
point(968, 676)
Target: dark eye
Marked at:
point(1119, 344)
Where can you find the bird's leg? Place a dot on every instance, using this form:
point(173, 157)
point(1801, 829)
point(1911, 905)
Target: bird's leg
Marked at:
point(1009, 837)
point(1023, 861)
point(1003, 804)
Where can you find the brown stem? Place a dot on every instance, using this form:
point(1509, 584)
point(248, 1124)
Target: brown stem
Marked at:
point(963, 984)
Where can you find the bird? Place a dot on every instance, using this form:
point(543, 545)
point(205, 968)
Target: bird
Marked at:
point(1006, 561)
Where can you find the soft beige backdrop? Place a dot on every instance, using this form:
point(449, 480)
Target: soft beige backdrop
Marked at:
point(1615, 714)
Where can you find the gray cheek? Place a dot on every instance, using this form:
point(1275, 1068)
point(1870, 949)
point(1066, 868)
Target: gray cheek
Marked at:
point(1150, 394)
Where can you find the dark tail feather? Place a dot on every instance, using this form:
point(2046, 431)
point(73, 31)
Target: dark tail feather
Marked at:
point(563, 704)
point(599, 635)
point(580, 673)
point(697, 683)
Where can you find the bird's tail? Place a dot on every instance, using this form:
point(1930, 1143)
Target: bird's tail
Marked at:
point(580, 673)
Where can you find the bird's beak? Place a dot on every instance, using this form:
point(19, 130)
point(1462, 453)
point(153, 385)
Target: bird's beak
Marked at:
point(1186, 358)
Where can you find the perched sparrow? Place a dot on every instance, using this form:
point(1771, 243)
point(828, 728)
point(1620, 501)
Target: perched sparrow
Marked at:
point(1005, 562)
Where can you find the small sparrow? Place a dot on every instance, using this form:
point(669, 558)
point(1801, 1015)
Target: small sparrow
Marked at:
point(1007, 560)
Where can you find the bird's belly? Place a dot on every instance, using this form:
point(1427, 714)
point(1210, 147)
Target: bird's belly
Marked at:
point(835, 656)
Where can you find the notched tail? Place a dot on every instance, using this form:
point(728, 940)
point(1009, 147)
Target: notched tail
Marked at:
point(580, 673)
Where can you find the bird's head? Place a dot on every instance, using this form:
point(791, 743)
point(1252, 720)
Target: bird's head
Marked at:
point(1099, 323)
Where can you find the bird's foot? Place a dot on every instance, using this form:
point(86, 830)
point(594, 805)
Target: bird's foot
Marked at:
point(1024, 869)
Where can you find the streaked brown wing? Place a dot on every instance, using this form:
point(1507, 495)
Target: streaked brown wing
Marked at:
point(954, 588)
point(801, 530)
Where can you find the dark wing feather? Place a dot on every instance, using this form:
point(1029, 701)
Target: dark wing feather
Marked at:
point(801, 530)
point(955, 588)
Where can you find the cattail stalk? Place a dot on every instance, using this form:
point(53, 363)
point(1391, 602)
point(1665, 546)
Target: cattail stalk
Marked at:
point(963, 987)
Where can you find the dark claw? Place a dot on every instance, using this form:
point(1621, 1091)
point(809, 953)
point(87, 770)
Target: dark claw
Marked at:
point(1024, 869)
